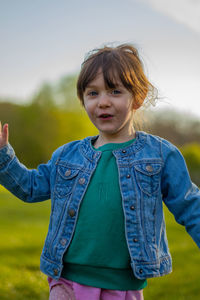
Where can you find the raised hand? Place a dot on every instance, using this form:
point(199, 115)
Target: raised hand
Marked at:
point(3, 135)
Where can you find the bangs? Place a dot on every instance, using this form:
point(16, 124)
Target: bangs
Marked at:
point(114, 70)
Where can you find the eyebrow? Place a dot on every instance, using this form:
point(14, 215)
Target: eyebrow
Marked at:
point(91, 86)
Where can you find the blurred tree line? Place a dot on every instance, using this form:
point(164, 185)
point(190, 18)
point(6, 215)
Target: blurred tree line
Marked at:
point(54, 116)
point(50, 119)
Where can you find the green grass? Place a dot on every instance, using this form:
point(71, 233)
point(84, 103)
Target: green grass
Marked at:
point(23, 228)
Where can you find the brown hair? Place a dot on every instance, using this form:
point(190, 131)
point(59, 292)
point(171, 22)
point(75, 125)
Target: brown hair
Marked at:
point(121, 62)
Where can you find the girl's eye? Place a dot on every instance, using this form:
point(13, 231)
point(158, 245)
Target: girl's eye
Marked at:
point(116, 92)
point(92, 93)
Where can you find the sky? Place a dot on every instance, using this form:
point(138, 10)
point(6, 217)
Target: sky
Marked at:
point(43, 40)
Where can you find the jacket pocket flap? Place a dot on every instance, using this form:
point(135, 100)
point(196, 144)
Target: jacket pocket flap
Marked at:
point(148, 168)
point(67, 173)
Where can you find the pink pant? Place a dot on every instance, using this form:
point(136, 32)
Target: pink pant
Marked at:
point(64, 289)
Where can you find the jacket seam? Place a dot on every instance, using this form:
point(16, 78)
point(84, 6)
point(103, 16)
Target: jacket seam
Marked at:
point(7, 161)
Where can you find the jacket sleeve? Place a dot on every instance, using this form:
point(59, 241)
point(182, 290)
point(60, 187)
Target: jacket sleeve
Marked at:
point(28, 185)
point(181, 196)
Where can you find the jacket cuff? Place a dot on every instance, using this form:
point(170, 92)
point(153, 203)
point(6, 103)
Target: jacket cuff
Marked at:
point(6, 154)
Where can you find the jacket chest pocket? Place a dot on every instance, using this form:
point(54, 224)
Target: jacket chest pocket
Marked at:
point(65, 180)
point(148, 177)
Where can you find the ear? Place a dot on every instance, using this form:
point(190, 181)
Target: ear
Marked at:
point(137, 103)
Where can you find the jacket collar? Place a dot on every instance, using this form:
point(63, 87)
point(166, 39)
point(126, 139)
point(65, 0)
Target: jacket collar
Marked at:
point(88, 151)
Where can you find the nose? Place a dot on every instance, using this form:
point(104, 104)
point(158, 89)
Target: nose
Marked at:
point(104, 101)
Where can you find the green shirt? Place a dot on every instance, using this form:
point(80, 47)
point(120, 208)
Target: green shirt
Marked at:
point(98, 254)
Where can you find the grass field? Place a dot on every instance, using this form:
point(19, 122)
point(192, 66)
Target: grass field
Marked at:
point(23, 229)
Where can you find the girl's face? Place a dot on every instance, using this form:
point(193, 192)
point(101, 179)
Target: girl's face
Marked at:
point(111, 111)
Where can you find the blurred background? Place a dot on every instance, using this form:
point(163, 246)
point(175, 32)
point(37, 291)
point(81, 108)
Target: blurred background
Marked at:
point(42, 46)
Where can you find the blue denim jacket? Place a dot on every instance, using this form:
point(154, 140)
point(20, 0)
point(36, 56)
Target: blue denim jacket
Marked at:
point(151, 171)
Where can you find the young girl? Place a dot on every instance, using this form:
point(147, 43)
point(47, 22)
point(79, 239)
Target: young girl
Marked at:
point(107, 231)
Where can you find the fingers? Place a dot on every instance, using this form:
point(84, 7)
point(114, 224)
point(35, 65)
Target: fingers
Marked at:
point(4, 133)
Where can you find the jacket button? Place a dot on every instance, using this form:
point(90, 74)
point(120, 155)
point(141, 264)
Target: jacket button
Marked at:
point(132, 207)
point(123, 151)
point(140, 271)
point(55, 272)
point(81, 180)
point(149, 168)
point(128, 176)
point(135, 240)
point(63, 242)
point(72, 213)
point(68, 172)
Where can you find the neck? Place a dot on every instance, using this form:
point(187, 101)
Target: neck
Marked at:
point(103, 139)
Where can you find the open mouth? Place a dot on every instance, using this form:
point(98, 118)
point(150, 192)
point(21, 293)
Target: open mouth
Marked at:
point(105, 116)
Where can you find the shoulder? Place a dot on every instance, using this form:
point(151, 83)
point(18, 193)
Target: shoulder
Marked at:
point(161, 145)
point(155, 139)
point(71, 147)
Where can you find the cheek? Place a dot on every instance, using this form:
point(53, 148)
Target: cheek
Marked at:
point(89, 109)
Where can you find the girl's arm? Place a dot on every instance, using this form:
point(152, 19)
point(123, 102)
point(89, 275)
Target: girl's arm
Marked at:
point(28, 185)
point(180, 195)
